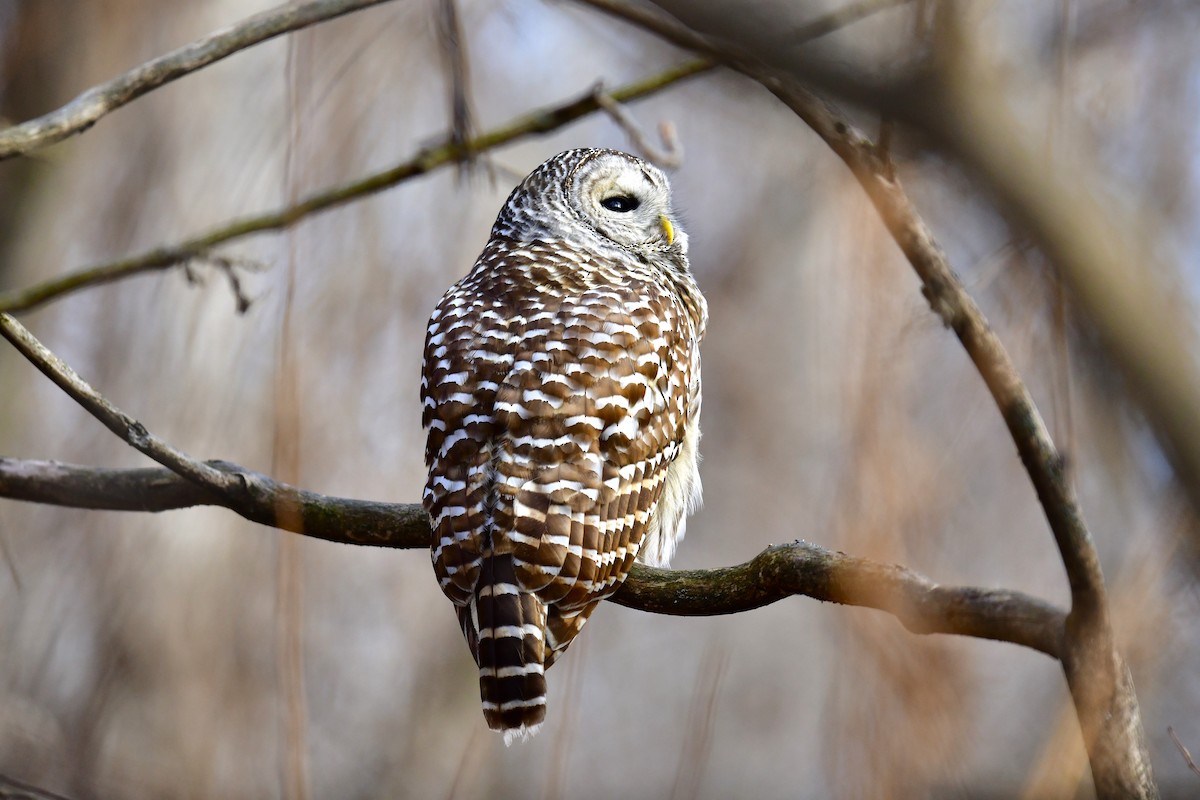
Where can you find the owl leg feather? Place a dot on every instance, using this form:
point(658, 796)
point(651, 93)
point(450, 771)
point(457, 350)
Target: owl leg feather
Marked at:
point(510, 650)
point(561, 629)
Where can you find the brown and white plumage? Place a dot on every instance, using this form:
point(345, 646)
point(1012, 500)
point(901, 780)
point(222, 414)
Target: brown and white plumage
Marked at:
point(561, 392)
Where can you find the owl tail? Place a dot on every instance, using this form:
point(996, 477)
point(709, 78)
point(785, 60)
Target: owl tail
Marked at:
point(510, 650)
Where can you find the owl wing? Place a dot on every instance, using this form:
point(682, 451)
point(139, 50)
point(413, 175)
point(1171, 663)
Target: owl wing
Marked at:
point(585, 431)
point(553, 412)
point(467, 355)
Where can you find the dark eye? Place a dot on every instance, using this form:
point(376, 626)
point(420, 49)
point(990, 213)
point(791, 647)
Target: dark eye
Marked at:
point(620, 203)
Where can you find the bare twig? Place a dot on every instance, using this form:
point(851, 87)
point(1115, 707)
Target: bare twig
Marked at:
point(427, 160)
point(669, 156)
point(781, 571)
point(84, 111)
point(117, 421)
point(452, 42)
point(229, 266)
point(1183, 751)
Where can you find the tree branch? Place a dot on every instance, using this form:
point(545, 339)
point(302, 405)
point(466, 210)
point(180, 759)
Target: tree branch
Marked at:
point(780, 571)
point(1100, 684)
point(84, 111)
point(117, 421)
point(12, 789)
point(256, 497)
point(449, 151)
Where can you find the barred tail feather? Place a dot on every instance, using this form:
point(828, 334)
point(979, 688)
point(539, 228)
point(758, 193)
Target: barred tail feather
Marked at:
point(510, 650)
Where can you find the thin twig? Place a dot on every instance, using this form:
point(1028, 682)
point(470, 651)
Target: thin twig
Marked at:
point(427, 160)
point(117, 421)
point(452, 42)
point(229, 266)
point(669, 156)
point(779, 572)
point(447, 152)
point(84, 111)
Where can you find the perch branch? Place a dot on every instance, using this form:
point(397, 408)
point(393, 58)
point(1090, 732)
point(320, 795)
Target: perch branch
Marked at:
point(781, 571)
point(1099, 681)
point(86, 109)
point(446, 152)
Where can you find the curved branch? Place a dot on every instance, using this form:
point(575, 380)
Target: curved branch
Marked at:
point(447, 152)
point(84, 111)
point(803, 568)
point(1098, 679)
point(779, 572)
point(947, 297)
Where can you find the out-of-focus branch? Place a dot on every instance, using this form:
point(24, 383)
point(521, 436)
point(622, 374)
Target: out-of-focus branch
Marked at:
point(778, 572)
point(842, 17)
point(16, 790)
point(669, 156)
point(1114, 270)
point(83, 112)
point(1100, 684)
point(1183, 751)
point(447, 152)
point(452, 150)
point(452, 42)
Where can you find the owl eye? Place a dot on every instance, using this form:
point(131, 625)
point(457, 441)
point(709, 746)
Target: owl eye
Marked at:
point(620, 203)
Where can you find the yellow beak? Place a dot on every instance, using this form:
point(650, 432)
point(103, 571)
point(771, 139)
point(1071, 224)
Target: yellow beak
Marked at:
point(668, 228)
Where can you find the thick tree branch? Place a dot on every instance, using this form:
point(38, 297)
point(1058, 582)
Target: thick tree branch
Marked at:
point(1098, 679)
point(255, 496)
point(447, 152)
point(84, 111)
point(781, 571)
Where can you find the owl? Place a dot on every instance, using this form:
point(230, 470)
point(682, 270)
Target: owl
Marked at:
point(561, 403)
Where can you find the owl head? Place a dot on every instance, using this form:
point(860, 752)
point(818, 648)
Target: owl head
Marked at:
point(590, 194)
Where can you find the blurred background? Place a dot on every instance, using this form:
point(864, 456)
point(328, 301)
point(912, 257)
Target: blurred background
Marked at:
point(194, 655)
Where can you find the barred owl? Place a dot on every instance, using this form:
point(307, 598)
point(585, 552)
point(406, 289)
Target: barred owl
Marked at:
point(561, 400)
